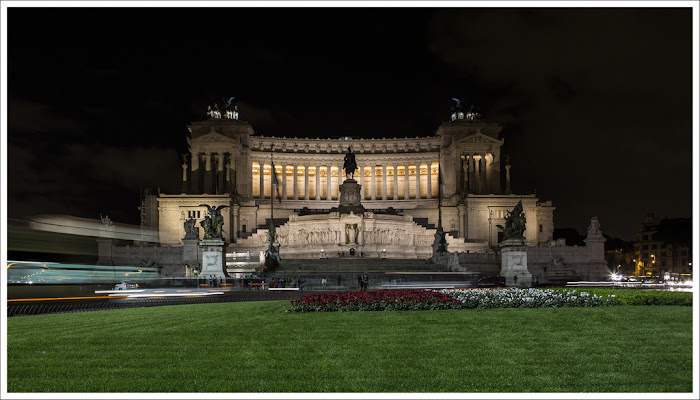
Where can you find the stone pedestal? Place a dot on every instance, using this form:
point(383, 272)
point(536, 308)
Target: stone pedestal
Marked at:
point(213, 260)
point(190, 253)
point(350, 198)
point(514, 263)
point(104, 251)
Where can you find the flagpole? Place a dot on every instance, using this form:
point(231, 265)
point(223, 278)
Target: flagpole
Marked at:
point(273, 182)
point(439, 189)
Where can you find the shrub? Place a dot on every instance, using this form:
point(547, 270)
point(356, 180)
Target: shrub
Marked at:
point(528, 298)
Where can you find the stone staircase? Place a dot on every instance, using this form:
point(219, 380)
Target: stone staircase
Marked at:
point(424, 223)
point(379, 271)
point(245, 235)
point(254, 241)
point(276, 221)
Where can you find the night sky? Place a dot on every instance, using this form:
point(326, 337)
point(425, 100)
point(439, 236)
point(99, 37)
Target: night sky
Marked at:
point(596, 103)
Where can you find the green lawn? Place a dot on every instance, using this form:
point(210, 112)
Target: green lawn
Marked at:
point(257, 347)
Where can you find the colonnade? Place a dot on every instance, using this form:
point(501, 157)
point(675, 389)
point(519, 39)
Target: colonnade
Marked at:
point(480, 173)
point(217, 177)
point(314, 182)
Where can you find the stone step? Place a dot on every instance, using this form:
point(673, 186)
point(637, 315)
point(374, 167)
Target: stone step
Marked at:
point(424, 223)
point(276, 221)
point(357, 265)
point(245, 235)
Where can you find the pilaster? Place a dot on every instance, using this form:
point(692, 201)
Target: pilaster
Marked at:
point(318, 182)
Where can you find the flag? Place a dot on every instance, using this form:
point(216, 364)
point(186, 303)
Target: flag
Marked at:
point(276, 183)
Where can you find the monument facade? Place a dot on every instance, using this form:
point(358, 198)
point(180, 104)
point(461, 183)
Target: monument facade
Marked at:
point(442, 197)
point(230, 165)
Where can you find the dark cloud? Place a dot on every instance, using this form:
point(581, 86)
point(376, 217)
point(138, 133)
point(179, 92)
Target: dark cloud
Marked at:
point(31, 117)
point(596, 104)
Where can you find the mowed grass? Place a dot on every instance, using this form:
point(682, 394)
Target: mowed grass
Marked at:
point(257, 347)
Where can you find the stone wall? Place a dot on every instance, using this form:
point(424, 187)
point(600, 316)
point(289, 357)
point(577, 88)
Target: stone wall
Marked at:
point(370, 235)
point(556, 264)
point(168, 257)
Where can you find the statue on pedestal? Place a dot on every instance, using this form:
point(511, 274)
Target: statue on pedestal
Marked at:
point(351, 233)
point(594, 230)
point(349, 164)
point(191, 231)
point(107, 224)
point(440, 243)
point(272, 245)
point(515, 224)
point(213, 223)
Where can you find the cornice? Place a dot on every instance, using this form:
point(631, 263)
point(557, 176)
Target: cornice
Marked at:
point(337, 159)
point(340, 146)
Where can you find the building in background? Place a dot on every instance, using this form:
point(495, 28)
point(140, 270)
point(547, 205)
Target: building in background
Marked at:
point(662, 248)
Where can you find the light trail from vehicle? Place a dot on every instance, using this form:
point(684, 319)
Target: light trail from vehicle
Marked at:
point(65, 298)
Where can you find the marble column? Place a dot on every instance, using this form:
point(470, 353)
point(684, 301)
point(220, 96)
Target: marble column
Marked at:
point(362, 181)
point(462, 217)
point(249, 170)
point(373, 186)
point(207, 174)
point(430, 180)
point(508, 179)
point(194, 167)
point(384, 180)
point(469, 177)
point(306, 181)
point(407, 192)
point(396, 181)
point(228, 177)
point(233, 170)
point(483, 186)
point(418, 180)
point(262, 179)
point(284, 181)
point(466, 171)
point(220, 173)
point(487, 173)
point(295, 184)
point(184, 174)
point(477, 173)
point(496, 172)
point(235, 231)
point(318, 181)
point(329, 193)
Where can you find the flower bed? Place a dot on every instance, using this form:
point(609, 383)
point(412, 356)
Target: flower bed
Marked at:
point(644, 297)
point(527, 298)
point(398, 300)
point(381, 300)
